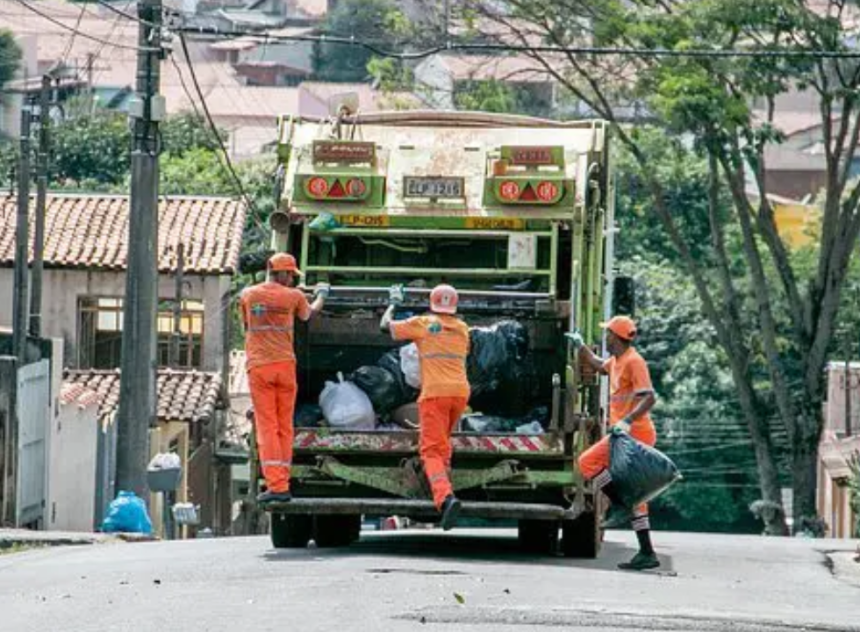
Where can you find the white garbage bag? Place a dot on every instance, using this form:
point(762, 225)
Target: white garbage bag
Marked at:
point(346, 406)
point(410, 364)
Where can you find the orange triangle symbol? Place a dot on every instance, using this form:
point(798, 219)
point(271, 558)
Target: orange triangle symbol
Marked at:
point(337, 190)
point(528, 194)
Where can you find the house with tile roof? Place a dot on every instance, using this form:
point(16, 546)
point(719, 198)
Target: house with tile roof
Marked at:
point(85, 260)
point(190, 411)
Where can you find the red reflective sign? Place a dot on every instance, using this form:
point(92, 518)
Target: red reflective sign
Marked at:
point(318, 187)
point(509, 190)
point(356, 187)
point(547, 191)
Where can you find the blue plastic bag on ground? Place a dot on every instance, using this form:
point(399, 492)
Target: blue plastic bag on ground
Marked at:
point(127, 514)
point(639, 472)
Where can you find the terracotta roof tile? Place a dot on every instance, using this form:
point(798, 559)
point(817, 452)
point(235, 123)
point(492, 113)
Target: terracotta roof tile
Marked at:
point(190, 396)
point(91, 231)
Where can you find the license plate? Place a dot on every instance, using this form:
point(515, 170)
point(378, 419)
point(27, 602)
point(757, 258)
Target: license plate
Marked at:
point(423, 187)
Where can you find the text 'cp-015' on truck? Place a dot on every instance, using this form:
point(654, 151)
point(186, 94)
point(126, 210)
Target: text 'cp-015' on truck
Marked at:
point(514, 212)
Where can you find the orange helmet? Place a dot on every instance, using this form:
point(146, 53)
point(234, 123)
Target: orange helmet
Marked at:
point(283, 262)
point(443, 299)
point(622, 326)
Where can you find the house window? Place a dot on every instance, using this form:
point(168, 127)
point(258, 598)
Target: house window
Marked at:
point(190, 338)
point(100, 333)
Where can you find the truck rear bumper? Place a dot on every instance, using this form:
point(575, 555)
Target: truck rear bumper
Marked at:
point(422, 508)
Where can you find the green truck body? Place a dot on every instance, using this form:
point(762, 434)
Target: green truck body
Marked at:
point(515, 213)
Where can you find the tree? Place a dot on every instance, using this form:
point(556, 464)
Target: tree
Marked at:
point(10, 56)
point(377, 21)
point(709, 99)
point(91, 151)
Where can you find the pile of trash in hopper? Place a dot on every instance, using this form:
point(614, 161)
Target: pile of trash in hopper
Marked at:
point(383, 396)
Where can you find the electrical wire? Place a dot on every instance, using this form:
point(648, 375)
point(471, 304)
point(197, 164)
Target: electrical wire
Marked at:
point(74, 34)
point(566, 50)
point(123, 13)
point(241, 188)
point(81, 33)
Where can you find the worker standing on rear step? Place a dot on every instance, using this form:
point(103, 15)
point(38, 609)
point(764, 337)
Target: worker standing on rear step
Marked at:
point(443, 346)
point(631, 397)
point(268, 314)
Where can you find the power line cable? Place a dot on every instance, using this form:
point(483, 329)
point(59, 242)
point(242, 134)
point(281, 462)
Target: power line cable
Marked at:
point(251, 206)
point(81, 33)
point(74, 34)
point(567, 50)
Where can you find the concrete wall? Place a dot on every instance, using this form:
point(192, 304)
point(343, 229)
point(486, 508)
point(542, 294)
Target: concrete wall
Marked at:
point(64, 288)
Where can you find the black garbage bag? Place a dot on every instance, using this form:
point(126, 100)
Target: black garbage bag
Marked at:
point(381, 387)
point(308, 416)
point(391, 362)
point(639, 472)
point(500, 369)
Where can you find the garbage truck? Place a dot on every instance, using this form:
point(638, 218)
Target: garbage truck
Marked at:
point(517, 213)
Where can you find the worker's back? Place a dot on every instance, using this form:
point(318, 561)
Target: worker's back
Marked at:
point(268, 311)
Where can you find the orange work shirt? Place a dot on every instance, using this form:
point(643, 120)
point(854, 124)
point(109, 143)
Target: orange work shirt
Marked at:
point(629, 379)
point(268, 312)
point(443, 346)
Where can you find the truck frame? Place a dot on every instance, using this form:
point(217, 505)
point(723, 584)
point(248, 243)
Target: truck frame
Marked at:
point(427, 197)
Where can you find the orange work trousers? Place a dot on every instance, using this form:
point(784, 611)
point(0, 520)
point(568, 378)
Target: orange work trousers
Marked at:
point(596, 458)
point(438, 416)
point(273, 393)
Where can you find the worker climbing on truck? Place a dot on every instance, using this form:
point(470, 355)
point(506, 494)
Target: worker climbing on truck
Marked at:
point(268, 313)
point(443, 346)
point(631, 397)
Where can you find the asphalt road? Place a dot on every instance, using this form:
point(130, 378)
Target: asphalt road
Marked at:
point(416, 580)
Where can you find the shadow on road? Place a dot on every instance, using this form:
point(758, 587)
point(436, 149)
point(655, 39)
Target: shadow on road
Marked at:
point(475, 547)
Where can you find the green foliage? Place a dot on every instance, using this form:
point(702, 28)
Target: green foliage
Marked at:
point(378, 21)
point(10, 56)
point(91, 150)
point(184, 132)
point(854, 487)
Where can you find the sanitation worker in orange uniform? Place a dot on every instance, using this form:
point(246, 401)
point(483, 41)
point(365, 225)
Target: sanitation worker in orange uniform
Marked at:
point(443, 345)
point(269, 311)
point(631, 397)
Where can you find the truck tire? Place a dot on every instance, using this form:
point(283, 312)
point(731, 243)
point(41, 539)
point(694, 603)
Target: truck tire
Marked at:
point(290, 531)
point(581, 537)
point(336, 530)
point(538, 536)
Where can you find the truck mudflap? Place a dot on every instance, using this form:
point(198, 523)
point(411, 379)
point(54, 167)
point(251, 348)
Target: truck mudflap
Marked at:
point(318, 440)
point(423, 508)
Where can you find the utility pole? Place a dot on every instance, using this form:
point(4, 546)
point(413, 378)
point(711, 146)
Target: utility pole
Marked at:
point(137, 381)
point(22, 245)
point(41, 198)
point(177, 307)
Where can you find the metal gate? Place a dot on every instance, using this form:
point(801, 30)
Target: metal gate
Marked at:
point(34, 407)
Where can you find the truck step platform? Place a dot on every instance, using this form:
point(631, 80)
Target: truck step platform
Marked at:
point(419, 508)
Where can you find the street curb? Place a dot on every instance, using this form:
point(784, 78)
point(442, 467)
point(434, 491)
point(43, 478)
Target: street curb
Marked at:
point(845, 566)
point(10, 538)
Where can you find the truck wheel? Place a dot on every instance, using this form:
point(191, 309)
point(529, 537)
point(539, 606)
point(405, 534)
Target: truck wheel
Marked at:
point(581, 537)
point(538, 536)
point(332, 531)
point(290, 531)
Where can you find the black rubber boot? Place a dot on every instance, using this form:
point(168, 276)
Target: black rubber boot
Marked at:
point(642, 561)
point(450, 510)
point(274, 497)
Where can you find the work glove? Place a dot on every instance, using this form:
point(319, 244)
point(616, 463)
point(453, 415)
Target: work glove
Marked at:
point(575, 339)
point(396, 295)
point(621, 427)
point(322, 290)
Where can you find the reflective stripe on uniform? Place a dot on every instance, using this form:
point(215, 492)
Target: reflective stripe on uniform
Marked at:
point(442, 356)
point(626, 397)
point(276, 463)
point(641, 524)
point(270, 328)
point(602, 479)
point(437, 477)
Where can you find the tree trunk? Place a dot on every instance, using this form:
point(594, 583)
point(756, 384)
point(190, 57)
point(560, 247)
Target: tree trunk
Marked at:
point(804, 475)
